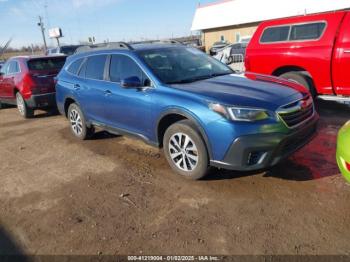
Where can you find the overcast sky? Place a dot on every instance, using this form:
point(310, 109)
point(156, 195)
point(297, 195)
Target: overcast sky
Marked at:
point(115, 20)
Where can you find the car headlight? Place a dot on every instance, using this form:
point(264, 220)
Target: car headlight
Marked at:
point(240, 113)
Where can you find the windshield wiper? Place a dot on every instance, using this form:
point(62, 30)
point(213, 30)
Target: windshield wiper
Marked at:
point(199, 78)
point(190, 80)
point(222, 74)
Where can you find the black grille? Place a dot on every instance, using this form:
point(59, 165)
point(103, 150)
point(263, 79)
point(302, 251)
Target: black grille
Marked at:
point(298, 112)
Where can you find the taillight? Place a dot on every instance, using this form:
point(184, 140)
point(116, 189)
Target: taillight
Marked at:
point(247, 63)
point(28, 82)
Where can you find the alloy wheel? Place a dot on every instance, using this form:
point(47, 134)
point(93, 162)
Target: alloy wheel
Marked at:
point(20, 104)
point(183, 152)
point(76, 122)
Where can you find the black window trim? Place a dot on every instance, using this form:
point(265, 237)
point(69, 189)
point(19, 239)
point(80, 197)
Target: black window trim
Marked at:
point(290, 30)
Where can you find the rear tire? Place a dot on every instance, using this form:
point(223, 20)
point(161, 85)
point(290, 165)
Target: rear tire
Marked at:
point(22, 107)
point(302, 80)
point(78, 123)
point(185, 150)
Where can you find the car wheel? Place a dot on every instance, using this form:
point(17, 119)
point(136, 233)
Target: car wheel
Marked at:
point(185, 150)
point(78, 123)
point(1, 106)
point(302, 80)
point(22, 107)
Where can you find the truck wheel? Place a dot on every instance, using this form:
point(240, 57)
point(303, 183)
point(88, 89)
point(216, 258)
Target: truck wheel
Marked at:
point(78, 123)
point(300, 79)
point(185, 150)
point(22, 107)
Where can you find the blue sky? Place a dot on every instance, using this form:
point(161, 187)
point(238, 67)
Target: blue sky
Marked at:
point(115, 20)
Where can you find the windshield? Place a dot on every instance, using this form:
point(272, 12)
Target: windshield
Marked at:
point(182, 65)
point(43, 64)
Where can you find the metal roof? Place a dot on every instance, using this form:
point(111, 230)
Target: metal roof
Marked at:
point(237, 12)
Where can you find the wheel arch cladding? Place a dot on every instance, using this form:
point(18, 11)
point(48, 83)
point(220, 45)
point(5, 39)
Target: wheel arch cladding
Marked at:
point(68, 101)
point(172, 116)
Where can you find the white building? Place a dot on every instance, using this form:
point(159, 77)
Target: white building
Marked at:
point(234, 20)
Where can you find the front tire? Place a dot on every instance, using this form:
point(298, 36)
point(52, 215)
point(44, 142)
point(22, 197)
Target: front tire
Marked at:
point(22, 107)
point(185, 150)
point(78, 124)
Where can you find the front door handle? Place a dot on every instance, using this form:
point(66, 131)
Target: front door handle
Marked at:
point(107, 92)
point(76, 87)
point(347, 51)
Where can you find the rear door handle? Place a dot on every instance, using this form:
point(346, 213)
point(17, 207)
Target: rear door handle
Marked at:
point(76, 87)
point(107, 92)
point(347, 51)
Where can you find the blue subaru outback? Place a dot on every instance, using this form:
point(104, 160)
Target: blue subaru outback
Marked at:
point(180, 99)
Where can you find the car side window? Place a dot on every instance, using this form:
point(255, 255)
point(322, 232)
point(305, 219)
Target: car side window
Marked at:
point(275, 34)
point(307, 31)
point(75, 66)
point(13, 68)
point(4, 68)
point(95, 67)
point(122, 67)
point(82, 70)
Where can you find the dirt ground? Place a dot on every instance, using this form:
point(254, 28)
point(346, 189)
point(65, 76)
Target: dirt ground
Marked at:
point(113, 195)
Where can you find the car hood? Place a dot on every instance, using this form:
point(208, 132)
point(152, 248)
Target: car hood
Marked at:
point(251, 90)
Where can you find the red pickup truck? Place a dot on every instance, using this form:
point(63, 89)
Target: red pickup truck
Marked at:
point(313, 50)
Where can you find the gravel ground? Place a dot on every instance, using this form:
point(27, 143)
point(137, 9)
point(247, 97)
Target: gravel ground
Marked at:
point(113, 195)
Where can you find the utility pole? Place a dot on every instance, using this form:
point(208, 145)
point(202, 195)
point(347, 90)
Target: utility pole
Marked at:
point(41, 24)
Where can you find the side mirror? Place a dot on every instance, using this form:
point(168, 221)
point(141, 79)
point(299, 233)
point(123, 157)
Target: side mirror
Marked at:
point(131, 82)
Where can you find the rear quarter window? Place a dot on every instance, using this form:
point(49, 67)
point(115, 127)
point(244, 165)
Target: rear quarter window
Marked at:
point(75, 66)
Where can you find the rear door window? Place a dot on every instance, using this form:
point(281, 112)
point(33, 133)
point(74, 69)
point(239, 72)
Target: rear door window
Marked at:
point(45, 64)
point(275, 34)
point(95, 67)
point(307, 31)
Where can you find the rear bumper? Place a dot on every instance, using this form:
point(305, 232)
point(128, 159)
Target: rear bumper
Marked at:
point(42, 101)
point(261, 151)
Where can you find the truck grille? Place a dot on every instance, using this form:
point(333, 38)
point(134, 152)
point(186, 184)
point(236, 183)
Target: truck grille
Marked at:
point(298, 112)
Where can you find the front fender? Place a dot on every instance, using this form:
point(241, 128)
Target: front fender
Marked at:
point(190, 116)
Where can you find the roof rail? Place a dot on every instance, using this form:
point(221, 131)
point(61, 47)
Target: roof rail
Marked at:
point(165, 41)
point(104, 46)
